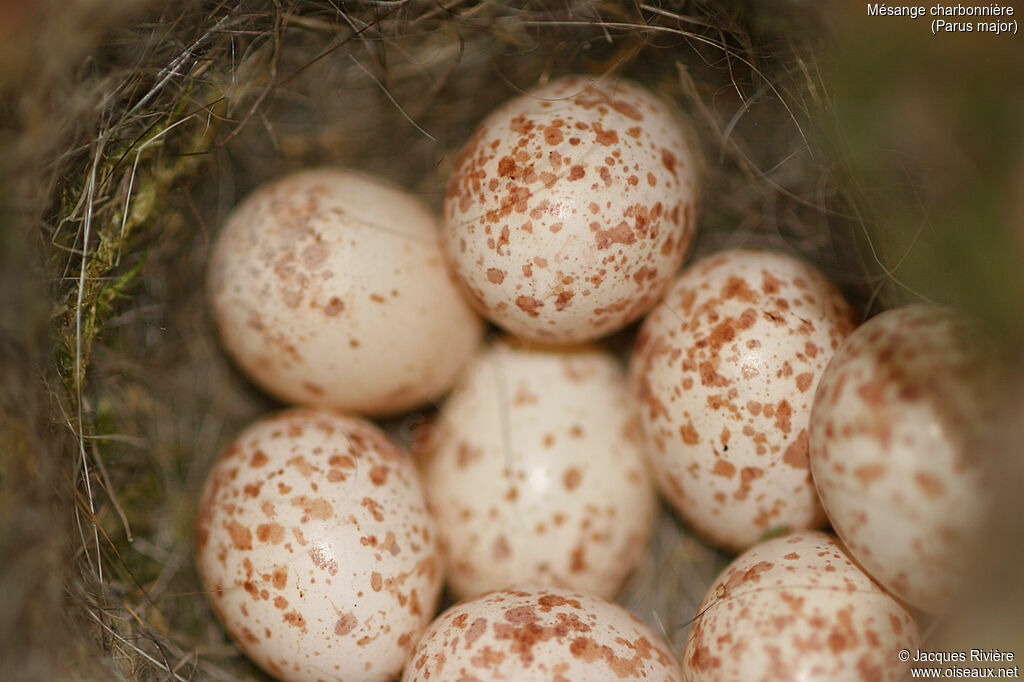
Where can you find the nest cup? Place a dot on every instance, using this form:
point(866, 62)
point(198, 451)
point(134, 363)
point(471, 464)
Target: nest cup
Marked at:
point(131, 129)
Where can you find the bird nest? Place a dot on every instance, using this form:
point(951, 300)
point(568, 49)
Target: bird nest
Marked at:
point(131, 128)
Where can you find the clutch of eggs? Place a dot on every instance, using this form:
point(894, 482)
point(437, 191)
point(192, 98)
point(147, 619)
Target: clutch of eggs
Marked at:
point(316, 549)
point(534, 472)
point(329, 288)
point(725, 369)
point(570, 208)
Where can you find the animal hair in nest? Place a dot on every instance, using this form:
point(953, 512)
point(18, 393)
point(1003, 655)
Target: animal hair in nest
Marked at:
point(131, 127)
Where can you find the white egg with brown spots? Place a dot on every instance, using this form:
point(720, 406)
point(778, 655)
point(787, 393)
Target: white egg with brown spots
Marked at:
point(316, 549)
point(329, 288)
point(540, 634)
point(797, 608)
point(571, 207)
point(534, 472)
point(725, 370)
point(898, 449)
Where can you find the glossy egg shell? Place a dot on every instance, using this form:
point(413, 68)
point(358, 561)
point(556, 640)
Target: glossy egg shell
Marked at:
point(725, 369)
point(897, 448)
point(316, 550)
point(540, 634)
point(535, 472)
point(571, 207)
point(315, 282)
point(797, 608)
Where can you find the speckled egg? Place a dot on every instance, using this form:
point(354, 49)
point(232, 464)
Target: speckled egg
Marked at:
point(534, 472)
point(540, 634)
point(725, 369)
point(797, 608)
point(897, 448)
point(571, 207)
point(317, 280)
point(316, 548)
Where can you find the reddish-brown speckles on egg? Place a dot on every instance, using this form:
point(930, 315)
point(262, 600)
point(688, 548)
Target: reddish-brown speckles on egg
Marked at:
point(741, 361)
point(294, 596)
point(523, 161)
point(899, 417)
point(797, 604)
point(535, 633)
point(282, 274)
point(534, 474)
